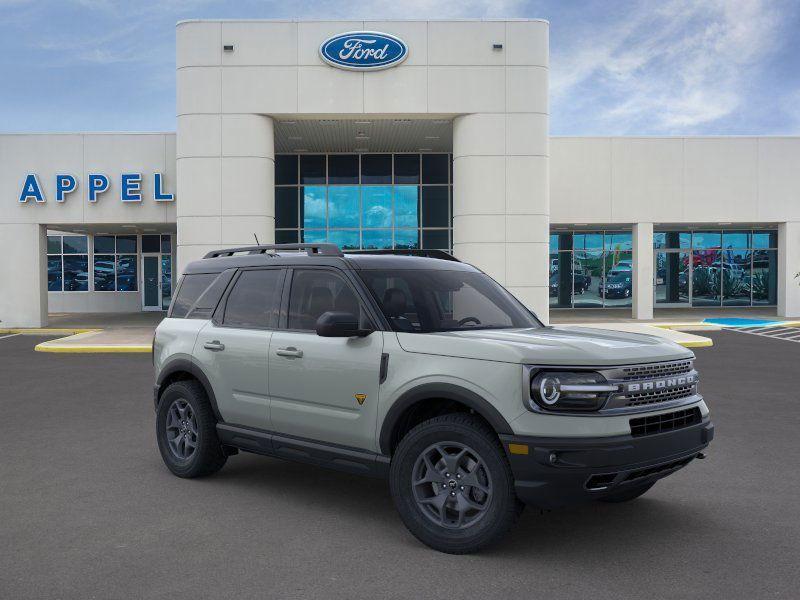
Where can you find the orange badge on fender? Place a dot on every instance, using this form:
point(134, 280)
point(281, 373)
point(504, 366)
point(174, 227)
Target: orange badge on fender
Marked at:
point(360, 398)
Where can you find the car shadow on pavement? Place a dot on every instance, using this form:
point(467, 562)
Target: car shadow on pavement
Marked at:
point(618, 530)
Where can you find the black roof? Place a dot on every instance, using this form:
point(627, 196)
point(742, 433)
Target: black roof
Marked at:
point(324, 254)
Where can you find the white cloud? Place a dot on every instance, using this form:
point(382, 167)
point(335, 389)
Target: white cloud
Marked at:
point(669, 69)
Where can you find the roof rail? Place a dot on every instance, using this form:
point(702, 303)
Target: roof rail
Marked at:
point(311, 249)
point(440, 254)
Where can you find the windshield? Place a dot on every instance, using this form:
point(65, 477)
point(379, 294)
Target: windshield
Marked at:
point(427, 301)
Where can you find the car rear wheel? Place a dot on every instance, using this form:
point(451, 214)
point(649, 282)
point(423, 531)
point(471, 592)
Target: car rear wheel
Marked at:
point(186, 431)
point(452, 484)
point(628, 494)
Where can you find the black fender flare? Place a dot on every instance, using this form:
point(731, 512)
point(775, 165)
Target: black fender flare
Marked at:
point(187, 366)
point(446, 391)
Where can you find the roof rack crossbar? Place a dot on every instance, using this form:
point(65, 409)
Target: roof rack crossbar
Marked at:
point(311, 249)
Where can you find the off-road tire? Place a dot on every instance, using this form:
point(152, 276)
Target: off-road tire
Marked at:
point(501, 507)
point(208, 456)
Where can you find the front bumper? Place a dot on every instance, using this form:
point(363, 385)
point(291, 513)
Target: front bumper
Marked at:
point(558, 472)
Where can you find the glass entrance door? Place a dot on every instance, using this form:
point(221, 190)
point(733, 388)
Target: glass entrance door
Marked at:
point(151, 282)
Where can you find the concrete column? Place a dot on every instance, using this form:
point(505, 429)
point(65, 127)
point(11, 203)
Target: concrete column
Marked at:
point(642, 271)
point(501, 201)
point(788, 266)
point(23, 271)
point(226, 178)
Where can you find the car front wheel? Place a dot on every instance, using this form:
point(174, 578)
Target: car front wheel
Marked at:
point(452, 484)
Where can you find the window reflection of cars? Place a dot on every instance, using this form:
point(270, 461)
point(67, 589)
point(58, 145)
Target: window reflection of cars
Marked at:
point(617, 285)
point(581, 280)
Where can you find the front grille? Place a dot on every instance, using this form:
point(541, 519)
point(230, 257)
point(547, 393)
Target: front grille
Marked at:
point(677, 367)
point(644, 398)
point(653, 424)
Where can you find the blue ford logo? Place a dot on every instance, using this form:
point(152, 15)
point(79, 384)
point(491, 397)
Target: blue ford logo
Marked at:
point(363, 50)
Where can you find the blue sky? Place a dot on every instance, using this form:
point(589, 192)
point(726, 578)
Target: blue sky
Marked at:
point(617, 67)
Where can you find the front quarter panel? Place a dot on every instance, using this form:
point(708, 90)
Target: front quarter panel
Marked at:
point(498, 383)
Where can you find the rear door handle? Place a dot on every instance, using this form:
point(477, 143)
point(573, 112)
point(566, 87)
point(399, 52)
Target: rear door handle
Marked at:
point(216, 345)
point(290, 352)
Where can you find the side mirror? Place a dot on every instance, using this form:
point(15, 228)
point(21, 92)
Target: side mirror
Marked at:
point(340, 324)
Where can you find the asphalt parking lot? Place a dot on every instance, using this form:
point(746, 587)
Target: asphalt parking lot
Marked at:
point(87, 509)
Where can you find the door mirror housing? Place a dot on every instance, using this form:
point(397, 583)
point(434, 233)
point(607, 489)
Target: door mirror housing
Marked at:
point(340, 324)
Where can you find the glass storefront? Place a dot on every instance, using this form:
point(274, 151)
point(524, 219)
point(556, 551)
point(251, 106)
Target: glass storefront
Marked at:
point(716, 268)
point(591, 269)
point(110, 263)
point(369, 201)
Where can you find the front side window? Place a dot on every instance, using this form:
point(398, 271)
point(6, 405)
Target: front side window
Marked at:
point(254, 299)
point(426, 301)
point(315, 292)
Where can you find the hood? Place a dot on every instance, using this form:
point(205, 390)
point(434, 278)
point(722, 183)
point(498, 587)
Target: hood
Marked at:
point(547, 346)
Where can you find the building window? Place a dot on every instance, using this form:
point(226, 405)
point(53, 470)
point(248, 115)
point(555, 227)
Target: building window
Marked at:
point(365, 201)
point(716, 268)
point(591, 269)
point(115, 263)
point(67, 263)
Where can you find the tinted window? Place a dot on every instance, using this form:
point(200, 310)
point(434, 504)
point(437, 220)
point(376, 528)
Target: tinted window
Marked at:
point(126, 244)
point(434, 168)
point(434, 207)
point(75, 244)
point(406, 168)
point(376, 168)
point(286, 207)
point(285, 169)
point(104, 272)
point(312, 168)
point(150, 243)
point(343, 168)
point(191, 287)
point(54, 244)
point(431, 300)
point(315, 292)
point(254, 299)
point(104, 244)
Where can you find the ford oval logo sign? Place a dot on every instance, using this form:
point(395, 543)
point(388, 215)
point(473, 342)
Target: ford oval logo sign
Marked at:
point(363, 50)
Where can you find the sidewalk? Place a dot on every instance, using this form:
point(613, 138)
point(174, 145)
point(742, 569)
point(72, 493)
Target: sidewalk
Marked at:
point(133, 332)
point(97, 332)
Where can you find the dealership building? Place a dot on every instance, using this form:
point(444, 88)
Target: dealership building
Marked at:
point(425, 135)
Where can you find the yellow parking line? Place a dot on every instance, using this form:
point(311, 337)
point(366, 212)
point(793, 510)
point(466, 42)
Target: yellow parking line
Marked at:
point(74, 349)
point(697, 344)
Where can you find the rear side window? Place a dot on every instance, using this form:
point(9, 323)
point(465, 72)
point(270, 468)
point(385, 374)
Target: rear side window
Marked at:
point(254, 300)
point(192, 286)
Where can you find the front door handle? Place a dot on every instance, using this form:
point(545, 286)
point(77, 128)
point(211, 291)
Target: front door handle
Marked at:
point(290, 352)
point(216, 346)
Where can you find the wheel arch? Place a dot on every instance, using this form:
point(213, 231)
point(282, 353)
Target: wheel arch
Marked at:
point(416, 400)
point(182, 370)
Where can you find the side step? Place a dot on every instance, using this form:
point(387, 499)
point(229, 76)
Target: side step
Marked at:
point(332, 456)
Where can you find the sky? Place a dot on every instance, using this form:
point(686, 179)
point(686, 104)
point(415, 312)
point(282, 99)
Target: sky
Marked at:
point(617, 67)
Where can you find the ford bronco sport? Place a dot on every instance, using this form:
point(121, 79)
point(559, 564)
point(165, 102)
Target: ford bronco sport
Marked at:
point(422, 370)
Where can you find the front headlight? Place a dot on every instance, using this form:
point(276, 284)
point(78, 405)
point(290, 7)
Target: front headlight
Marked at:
point(569, 391)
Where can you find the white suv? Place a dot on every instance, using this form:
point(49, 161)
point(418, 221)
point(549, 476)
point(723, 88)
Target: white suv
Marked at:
point(422, 370)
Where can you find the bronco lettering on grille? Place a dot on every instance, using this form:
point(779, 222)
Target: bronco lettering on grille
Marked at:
point(659, 384)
